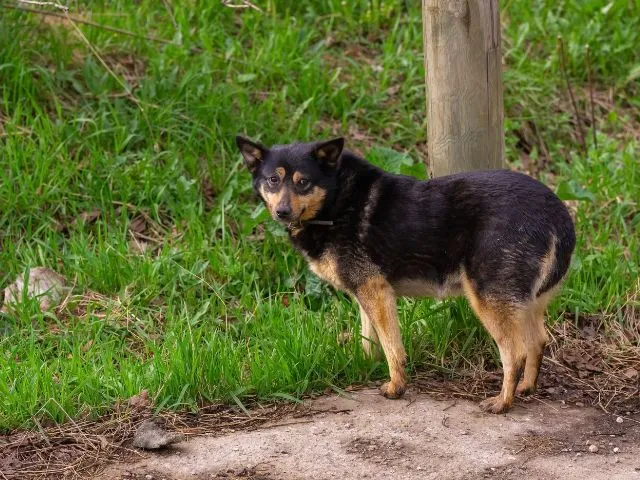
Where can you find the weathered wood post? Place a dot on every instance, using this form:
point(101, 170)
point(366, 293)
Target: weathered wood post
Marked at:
point(463, 66)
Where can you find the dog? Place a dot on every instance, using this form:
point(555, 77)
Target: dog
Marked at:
point(500, 238)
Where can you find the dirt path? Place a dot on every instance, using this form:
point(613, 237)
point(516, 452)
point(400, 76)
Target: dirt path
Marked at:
point(367, 436)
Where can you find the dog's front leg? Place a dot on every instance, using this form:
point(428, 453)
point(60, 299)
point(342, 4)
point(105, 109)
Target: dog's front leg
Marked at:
point(378, 302)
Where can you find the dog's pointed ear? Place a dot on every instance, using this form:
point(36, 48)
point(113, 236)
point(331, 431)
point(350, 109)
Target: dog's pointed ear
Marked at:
point(252, 152)
point(327, 153)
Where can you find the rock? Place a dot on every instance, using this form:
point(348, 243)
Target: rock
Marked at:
point(42, 283)
point(150, 435)
point(616, 450)
point(593, 448)
point(619, 420)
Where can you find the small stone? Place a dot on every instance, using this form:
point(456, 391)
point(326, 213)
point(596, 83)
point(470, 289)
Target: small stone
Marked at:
point(616, 450)
point(151, 436)
point(619, 420)
point(148, 477)
point(464, 432)
point(579, 454)
point(42, 283)
point(593, 448)
point(579, 404)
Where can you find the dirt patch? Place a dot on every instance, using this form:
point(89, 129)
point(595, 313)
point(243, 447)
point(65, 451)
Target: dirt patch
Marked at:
point(379, 450)
point(364, 435)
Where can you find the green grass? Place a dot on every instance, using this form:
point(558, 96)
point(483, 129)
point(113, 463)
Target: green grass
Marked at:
point(222, 308)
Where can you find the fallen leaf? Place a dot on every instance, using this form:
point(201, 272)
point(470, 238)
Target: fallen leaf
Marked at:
point(140, 401)
point(138, 224)
point(88, 217)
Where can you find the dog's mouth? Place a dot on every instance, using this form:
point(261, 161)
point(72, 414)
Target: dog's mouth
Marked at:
point(291, 221)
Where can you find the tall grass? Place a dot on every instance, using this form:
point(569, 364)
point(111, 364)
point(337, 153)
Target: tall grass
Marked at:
point(96, 163)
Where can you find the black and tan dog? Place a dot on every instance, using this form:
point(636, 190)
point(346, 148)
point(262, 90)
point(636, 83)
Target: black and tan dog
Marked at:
point(501, 238)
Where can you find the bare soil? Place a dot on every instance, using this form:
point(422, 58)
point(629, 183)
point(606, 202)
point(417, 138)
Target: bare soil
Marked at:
point(362, 435)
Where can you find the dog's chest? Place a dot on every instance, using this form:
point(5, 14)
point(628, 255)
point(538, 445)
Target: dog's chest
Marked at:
point(326, 267)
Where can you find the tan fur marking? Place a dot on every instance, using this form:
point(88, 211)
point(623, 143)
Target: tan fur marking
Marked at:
point(377, 299)
point(297, 176)
point(504, 322)
point(272, 199)
point(308, 206)
point(280, 172)
point(252, 151)
point(327, 269)
point(370, 341)
point(546, 267)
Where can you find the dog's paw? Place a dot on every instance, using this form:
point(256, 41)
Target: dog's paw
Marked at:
point(524, 389)
point(393, 390)
point(495, 405)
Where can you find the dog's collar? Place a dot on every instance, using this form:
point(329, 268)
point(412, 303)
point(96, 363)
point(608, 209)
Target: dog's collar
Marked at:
point(320, 222)
point(292, 227)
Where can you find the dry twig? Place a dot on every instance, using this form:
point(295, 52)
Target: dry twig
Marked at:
point(593, 112)
point(83, 21)
point(64, 8)
point(563, 67)
point(242, 4)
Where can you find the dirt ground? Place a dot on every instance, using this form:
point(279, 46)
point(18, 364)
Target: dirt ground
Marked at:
point(362, 435)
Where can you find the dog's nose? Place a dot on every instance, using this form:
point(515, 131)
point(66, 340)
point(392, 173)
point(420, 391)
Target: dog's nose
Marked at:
point(283, 212)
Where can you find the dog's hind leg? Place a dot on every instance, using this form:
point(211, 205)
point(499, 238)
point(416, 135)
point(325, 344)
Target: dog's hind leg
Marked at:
point(378, 301)
point(504, 321)
point(370, 341)
point(536, 339)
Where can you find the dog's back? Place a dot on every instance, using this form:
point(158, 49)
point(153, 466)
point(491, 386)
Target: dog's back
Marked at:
point(500, 228)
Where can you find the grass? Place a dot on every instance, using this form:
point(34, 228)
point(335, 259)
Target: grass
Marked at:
point(97, 162)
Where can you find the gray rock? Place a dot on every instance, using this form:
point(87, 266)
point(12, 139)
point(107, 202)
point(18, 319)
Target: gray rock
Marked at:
point(42, 283)
point(151, 435)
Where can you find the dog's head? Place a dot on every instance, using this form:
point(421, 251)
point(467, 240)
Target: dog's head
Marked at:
point(295, 181)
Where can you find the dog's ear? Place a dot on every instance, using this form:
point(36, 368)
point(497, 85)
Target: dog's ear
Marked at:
point(327, 153)
point(252, 152)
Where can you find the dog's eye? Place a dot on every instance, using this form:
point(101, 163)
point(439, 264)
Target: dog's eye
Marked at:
point(274, 179)
point(303, 182)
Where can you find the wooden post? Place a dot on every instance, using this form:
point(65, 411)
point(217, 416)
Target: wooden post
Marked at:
point(463, 66)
